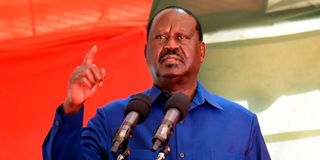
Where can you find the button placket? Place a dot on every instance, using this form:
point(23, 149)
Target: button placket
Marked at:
point(181, 155)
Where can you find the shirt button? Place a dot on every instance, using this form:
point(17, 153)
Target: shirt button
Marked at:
point(181, 155)
point(57, 123)
point(181, 122)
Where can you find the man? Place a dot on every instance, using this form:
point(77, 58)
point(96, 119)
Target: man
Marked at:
point(215, 128)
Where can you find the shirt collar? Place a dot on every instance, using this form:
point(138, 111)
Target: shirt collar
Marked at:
point(154, 92)
point(201, 96)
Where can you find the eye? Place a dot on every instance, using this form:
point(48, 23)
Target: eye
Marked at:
point(182, 37)
point(161, 37)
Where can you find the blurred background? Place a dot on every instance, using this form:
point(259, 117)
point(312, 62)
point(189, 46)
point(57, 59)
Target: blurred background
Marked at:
point(263, 54)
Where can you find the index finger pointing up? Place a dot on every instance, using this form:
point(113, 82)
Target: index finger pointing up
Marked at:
point(88, 58)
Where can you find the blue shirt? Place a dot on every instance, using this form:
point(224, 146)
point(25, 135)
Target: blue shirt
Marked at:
point(215, 128)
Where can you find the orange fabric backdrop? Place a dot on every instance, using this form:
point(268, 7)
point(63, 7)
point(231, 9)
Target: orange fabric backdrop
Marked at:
point(35, 70)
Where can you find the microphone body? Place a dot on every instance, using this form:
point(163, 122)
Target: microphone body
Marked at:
point(176, 109)
point(165, 128)
point(125, 130)
point(130, 121)
point(136, 112)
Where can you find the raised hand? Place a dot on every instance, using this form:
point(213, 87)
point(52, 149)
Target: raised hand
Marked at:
point(84, 81)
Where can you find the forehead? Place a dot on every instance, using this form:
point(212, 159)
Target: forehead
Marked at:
point(173, 18)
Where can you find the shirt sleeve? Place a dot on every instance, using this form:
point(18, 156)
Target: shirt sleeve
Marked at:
point(257, 148)
point(63, 139)
point(68, 140)
point(95, 140)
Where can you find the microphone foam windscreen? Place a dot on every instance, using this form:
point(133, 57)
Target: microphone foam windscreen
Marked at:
point(179, 101)
point(140, 103)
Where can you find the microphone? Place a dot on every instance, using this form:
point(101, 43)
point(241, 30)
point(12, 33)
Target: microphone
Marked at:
point(136, 112)
point(176, 109)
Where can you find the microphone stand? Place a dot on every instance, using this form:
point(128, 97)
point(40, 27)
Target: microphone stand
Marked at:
point(163, 153)
point(121, 143)
point(125, 154)
point(125, 151)
point(163, 144)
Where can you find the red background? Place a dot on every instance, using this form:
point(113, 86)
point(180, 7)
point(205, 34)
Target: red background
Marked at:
point(35, 68)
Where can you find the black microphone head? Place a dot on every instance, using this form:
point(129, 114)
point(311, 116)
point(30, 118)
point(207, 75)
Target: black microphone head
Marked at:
point(179, 101)
point(140, 103)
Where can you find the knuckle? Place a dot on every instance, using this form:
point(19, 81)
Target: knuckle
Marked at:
point(87, 71)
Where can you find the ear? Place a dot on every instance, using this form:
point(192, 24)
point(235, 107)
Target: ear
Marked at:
point(145, 51)
point(202, 51)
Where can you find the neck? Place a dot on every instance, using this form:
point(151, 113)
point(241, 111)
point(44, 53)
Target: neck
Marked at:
point(178, 85)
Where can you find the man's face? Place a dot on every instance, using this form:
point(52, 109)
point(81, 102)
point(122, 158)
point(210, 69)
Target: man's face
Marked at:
point(173, 48)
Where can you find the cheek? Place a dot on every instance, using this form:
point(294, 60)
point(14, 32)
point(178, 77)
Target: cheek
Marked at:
point(150, 56)
point(193, 55)
point(153, 51)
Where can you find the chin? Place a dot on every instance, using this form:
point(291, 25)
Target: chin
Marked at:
point(170, 74)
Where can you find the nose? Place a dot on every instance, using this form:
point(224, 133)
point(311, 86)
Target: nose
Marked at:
point(171, 44)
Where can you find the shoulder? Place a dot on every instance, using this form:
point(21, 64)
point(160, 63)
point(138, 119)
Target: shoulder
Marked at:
point(231, 108)
point(115, 107)
point(110, 116)
point(222, 102)
point(118, 106)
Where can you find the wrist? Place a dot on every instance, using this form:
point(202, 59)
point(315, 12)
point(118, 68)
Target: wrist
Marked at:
point(70, 108)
